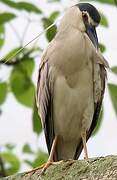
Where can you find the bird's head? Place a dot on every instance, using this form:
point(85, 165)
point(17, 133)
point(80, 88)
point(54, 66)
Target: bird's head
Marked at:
point(91, 19)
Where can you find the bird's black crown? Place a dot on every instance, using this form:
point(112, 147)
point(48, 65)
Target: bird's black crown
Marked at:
point(93, 12)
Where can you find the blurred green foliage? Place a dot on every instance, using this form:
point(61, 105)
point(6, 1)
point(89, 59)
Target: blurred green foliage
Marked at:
point(3, 92)
point(104, 21)
point(113, 94)
point(47, 21)
point(109, 2)
point(11, 161)
point(37, 127)
point(6, 17)
point(20, 82)
point(22, 6)
point(2, 37)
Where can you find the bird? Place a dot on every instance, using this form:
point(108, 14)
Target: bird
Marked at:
point(71, 84)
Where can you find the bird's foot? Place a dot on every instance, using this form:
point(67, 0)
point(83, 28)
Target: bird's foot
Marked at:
point(83, 135)
point(31, 172)
point(42, 168)
point(49, 163)
point(86, 158)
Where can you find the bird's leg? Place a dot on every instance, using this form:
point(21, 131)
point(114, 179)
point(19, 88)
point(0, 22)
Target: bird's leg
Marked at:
point(83, 135)
point(53, 149)
point(50, 159)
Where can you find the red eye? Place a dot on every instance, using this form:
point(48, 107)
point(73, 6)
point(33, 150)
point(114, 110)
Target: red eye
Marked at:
point(85, 17)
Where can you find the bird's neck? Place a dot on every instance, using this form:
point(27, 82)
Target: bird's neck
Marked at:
point(72, 18)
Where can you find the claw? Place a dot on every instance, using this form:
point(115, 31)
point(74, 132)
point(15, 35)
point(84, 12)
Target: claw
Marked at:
point(83, 135)
point(49, 163)
point(31, 172)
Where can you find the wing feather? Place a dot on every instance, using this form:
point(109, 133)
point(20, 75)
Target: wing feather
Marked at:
point(45, 102)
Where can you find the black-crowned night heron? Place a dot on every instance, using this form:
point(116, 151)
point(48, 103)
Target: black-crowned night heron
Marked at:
point(71, 84)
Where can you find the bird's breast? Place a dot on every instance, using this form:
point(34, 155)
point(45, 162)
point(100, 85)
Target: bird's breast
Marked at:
point(73, 85)
point(69, 52)
point(70, 104)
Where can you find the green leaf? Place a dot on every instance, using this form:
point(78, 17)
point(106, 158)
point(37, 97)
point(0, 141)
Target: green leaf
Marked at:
point(11, 54)
point(12, 163)
point(113, 94)
point(27, 149)
point(28, 162)
point(40, 159)
point(52, 31)
point(22, 87)
point(8, 2)
point(2, 36)
point(22, 6)
point(54, 15)
point(102, 48)
point(110, 2)
point(6, 17)
point(27, 65)
point(10, 147)
point(54, 1)
point(3, 92)
point(104, 21)
point(37, 128)
point(107, 2)
point(114, 69)
point(98, 125)
point(28, 7)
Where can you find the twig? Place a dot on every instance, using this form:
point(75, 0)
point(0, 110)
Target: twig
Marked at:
point(25, 31)
point(15, 31)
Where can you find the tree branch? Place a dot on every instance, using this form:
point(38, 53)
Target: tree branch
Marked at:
point(103, 168)
point(15, 32)
point(25, 31)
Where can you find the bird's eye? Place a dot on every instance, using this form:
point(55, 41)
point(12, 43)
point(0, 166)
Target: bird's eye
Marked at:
point(85, 16)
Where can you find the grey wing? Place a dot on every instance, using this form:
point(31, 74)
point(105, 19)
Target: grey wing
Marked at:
point(97, 106)
point(45, 103)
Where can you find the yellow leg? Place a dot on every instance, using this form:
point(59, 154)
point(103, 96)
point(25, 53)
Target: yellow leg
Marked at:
point(83, 135)
point(50, 159)
point(53, 149)
point(49, 162)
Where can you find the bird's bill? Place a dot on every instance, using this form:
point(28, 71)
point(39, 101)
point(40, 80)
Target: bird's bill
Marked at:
point(91, 32)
